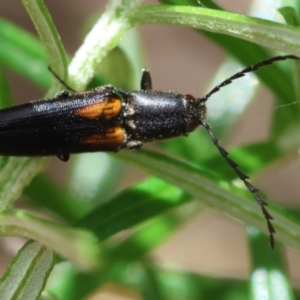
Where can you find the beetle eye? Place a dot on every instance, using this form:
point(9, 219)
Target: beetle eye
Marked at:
point(189, 97)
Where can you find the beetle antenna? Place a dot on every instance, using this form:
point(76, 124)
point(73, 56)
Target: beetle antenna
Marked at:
point(253, 190)
point(250, 69)
point(61, 81)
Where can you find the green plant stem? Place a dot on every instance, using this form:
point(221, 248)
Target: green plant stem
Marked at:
point(103, 37)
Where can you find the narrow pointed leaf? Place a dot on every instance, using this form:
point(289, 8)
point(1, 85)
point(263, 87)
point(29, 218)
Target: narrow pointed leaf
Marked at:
point(49, 36)
point(74, 244)
point(27, 274)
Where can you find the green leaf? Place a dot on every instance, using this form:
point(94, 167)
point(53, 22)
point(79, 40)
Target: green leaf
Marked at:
point(268, 274)
point(263, 32)
point(47, 296)
point(5, 93)
point(149, 287)
point(119, 257)
point(154, 196)
point(28, 272)
point(90, 184)
point(77, 245)
point(133, 206)
point(49, 36)
point(290, 15)
point(176, 284)
point(190, 179)
point(182, 2)
point(15, 174)
point(55, 198)
point(24, 54)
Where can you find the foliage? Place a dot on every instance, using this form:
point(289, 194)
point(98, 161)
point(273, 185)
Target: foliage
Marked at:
point(148, 207)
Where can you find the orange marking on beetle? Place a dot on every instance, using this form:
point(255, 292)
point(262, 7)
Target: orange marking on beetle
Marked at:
point(113, 136)
point(108, 108)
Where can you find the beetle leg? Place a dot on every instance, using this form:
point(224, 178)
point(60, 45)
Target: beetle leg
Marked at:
point(64, 157)
point(146, 83)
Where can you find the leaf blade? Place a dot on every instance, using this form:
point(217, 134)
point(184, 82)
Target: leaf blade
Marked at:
point(27, 274)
